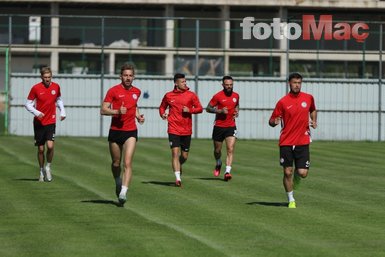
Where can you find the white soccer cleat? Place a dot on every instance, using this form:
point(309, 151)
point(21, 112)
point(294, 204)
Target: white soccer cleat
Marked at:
point(41, 178)
point(48, 175)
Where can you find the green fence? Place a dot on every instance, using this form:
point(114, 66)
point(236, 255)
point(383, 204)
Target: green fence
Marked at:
point(4, 96)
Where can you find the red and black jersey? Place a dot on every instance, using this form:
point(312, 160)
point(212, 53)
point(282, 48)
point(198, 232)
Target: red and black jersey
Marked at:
point(179, 122)
point(45, 101)
point(120, 96)
point(295, 112)
point(220, 100)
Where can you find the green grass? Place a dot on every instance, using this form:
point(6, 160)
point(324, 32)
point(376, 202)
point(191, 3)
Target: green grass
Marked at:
point(340, 206)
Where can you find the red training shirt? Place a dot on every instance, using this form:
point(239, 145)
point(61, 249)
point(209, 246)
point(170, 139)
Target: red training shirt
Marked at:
point(45, 101)
point(180, 123)
point(294, 111)
point(118, 96)
point(220, 100)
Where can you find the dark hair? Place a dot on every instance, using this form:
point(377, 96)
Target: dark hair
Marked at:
point(178, 76)
point(294, 75)
point(127, 67)
point(226, 77)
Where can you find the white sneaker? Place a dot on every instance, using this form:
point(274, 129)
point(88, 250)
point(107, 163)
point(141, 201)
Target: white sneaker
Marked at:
point(48, 175)
point(41, 178)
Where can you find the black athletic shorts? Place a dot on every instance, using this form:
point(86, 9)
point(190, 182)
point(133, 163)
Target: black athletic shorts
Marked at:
point(120, 137)
point(219, 133)
point(299, 154)
point(43, 133)
point(180, 141)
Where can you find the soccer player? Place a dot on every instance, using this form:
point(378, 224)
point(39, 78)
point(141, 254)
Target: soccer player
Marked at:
point(120, 102)
point(225, 105)
point(41, 102)
point(181, 104)
point(293, 111)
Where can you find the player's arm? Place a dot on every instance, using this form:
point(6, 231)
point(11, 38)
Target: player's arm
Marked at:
point(162, 108)
point(139, 117)
point(60, 105)
point(196, 106)
point(29, 105)
point(106, 109)
point(313, 119)
point(211, 109)
point(276, 116)
point(236, 111)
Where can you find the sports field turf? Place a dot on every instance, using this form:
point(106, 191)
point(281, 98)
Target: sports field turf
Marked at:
point(340, 206)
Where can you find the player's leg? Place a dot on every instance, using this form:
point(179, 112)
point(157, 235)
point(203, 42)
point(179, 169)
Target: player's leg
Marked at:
point(115, 152)
point(49, 137)
point(40, 142)
point(176, 166)
point(185, 142)
point(41, 160)
point(217, 143)
point(49, 157)
point(286, 161)
point(230, 146)
point(128, 154)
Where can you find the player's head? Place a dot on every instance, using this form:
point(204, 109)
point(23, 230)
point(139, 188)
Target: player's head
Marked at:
point(180, 81)
point(127, 67)
point(295, 82)
point(227, 83)
point(127, 74)
point(46, 75)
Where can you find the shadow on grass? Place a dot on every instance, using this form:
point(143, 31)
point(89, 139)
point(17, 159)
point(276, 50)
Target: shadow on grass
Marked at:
point(27, 179)
point(274, 204)
point(117, 204)
point(211, 179)
point(160, 183)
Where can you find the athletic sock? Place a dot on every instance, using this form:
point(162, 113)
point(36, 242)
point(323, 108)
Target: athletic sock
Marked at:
point(48, 165)
point(41, 171)
point(219, 162)
point(290, 196)
point(123, 191)
point(177, 175)
point(228, 169)
point(118, 180)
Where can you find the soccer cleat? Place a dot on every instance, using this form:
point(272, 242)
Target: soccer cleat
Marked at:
point(178, 183)
point(292, 205)
point(48, 175)
point(217, 170)
point(41, 178)
point(296, 180)
point(122, 199)
point(227, 176)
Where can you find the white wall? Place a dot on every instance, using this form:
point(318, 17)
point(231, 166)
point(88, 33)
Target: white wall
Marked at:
point(348, 110)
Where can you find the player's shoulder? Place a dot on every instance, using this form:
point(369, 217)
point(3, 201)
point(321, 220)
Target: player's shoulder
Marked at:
point(136, 90)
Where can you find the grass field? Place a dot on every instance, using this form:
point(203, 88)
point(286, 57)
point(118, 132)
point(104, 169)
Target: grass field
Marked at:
point(340, 206)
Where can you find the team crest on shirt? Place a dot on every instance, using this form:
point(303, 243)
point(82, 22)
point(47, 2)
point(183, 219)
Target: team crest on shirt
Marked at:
point(304, 104)
point(135, 96)
point(234, 99)
point(53, 92)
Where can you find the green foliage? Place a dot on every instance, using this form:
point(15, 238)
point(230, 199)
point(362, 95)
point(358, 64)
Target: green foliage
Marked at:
point(340, 210)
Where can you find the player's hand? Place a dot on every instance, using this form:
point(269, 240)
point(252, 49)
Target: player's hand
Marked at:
point(140, 119)
point(185, 109)
point(224, 110)
point(62, 118)
point(40, 116)
point(122, 109)
point(277, 120)
point(313, 124)
point(165, 116)
point(236, 113)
